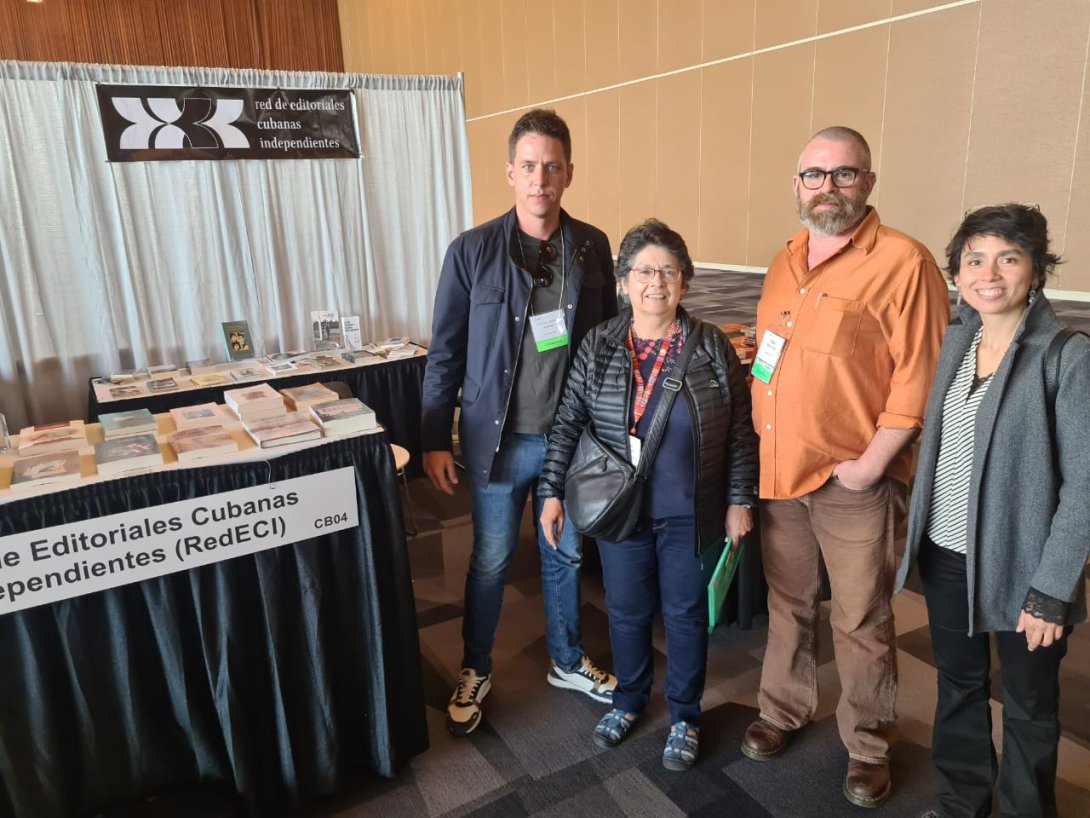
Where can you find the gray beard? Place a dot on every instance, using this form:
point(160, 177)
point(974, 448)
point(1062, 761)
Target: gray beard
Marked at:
point(848, 214)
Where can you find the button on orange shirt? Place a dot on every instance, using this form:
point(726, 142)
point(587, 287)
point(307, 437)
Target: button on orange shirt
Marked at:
point(863, 333)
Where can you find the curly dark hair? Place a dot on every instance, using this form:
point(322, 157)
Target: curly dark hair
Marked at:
point(544, 121)
point(1019, 224)
point(658, 233)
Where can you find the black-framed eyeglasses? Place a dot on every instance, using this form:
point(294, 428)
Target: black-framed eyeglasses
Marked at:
point(646, 273)
point(543, 276)
point(814, 178)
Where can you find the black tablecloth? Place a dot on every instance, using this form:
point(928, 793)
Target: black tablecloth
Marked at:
point(273, 675)
point(392, 388)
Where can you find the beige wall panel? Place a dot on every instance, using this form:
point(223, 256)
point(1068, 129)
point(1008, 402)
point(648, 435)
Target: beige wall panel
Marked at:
point(724, 163)
point(435, 38)
point(728, 28)
point(834, 15)
point(783, 21)
point(491, 77)
point(928, 99)
point(678, 178)
point(577, 197)
point(354, 44)
point(416, 29)
point(446, 15)
point(598, 163)
point(781, 126)
point(849, 84)
point(602, 26)
point(638, 39)
point(638, 150)
point(1070, 232)
point(1025, 104)
point(569, 47)
point(400, 33)
point(909, 6)
point(680, 23)
point(469, 38)
point(488, 161)
point(519, 39)
point(538, 44)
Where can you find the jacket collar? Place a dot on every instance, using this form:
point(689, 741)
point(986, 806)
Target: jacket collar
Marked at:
point(1039, 316)
point(616, 330)
point(863, 237)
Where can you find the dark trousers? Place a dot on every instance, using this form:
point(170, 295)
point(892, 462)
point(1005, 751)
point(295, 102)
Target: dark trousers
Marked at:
point(657, 563)
point(961, 748)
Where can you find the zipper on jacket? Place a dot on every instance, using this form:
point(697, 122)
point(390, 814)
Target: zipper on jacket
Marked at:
point(515, 367)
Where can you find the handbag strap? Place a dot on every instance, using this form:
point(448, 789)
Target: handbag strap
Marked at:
point(1052, 379)
point(672, 385)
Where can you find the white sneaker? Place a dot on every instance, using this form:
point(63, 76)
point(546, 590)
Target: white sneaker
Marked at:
point(464, 708)
point(586, 679)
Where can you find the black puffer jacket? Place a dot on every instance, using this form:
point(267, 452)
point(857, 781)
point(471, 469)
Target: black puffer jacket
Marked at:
point(599, 391)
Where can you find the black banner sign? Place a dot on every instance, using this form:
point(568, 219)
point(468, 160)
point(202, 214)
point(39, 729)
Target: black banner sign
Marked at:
point(146, 123)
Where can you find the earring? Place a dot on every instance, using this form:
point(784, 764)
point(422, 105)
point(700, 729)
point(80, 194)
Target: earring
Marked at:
point(1032, 295)
point(958, 304)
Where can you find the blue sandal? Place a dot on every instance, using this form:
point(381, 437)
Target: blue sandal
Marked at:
point(613, 727)
point(682, 747)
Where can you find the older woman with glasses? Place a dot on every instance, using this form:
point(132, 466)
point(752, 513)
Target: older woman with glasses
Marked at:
point(701, 486)
point(999, 522)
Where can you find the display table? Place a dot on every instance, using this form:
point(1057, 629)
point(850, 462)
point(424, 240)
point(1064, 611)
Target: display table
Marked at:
point(392, 388)
point(273, 675)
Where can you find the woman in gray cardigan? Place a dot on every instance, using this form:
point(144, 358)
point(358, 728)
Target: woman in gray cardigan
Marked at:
point(999, 521)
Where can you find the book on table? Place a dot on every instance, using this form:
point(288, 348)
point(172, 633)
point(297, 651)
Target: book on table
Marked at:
point(210, 379)
point(163, 371)
point(248, 373)
point(52, 437)
point(280, 367)
point(122, 454)
point(294, 427)
point(201, 442)
point(201, 367)
point(237, 340)
point(344, 417)
point(125, 391)
point(127, 376)
point(256, 401)
point(161, 385)
point(134, 422)
point(194, 417)
point(325, 328)
point(301, 398)
point(350, 331)
point(45, 469)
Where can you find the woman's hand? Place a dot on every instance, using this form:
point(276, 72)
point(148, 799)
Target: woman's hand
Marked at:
point(739, 523)
point(1038, 632)
point(552, 520)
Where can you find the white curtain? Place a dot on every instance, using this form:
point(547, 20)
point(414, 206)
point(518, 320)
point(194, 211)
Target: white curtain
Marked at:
point(110, 266)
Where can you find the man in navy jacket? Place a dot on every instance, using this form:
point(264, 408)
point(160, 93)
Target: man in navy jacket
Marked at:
point(516, 296)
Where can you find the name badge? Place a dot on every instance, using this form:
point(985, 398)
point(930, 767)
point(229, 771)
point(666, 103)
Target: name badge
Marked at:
point(768, 356)
point(549, 330)
point(635, 447)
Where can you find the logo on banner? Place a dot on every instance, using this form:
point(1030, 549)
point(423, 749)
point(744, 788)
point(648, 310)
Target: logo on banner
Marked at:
point(159, 122)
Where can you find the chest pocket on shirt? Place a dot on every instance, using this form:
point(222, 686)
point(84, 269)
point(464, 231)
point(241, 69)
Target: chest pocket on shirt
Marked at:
point(836, 326)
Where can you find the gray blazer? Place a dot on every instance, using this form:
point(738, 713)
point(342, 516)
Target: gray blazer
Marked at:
point(1029, 517)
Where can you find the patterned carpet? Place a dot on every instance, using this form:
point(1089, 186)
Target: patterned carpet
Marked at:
point(533, 754)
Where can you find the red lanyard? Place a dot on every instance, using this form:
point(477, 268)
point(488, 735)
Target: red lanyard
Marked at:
point(643, 391)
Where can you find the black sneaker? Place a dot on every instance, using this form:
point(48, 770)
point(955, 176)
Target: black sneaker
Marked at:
point(464, 708)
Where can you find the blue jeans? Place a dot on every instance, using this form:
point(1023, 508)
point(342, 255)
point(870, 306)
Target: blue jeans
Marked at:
point(657, 564)
point(497, 517)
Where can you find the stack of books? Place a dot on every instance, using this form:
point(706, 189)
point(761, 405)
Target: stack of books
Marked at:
point(254, 402)
point(302, 398)
point(124, 424)
point(281, 431)
point(344, 417)
point(201, 367)
point(201, 442)
point(52, 438)
point(160, 371)
point(742, 338)
point(127, 453)
point(195, 417)
point(43, 470)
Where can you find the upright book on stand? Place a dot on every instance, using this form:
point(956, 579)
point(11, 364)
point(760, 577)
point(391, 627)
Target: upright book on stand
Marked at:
point(238, 341)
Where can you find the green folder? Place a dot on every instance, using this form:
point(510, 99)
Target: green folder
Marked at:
point(720, 582)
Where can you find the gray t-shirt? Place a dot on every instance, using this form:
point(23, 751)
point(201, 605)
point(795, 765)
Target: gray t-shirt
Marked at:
point(539, 376)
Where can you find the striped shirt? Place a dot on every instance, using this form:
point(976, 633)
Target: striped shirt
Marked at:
point(949, 521)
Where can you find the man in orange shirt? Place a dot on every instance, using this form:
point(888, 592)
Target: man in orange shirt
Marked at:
point(850, 322)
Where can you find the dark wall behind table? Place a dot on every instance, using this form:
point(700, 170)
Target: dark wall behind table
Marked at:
point(296, 35)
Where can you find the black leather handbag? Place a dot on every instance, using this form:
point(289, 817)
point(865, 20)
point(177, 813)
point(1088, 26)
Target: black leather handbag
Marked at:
point(603, 491)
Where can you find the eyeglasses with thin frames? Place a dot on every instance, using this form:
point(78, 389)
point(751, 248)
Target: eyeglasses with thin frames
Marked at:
point(814, 178)
point(646, 273)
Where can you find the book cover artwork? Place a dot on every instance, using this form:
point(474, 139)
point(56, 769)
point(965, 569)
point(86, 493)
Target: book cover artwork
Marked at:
point(119, 424)
point(52, 437)
point(202, 442)
point(127, 453)
point(325, 329)
point(238, 340)
point(29, 472)
point(350, 331)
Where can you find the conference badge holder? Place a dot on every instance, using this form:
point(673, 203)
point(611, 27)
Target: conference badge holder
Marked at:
point(550, 330)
